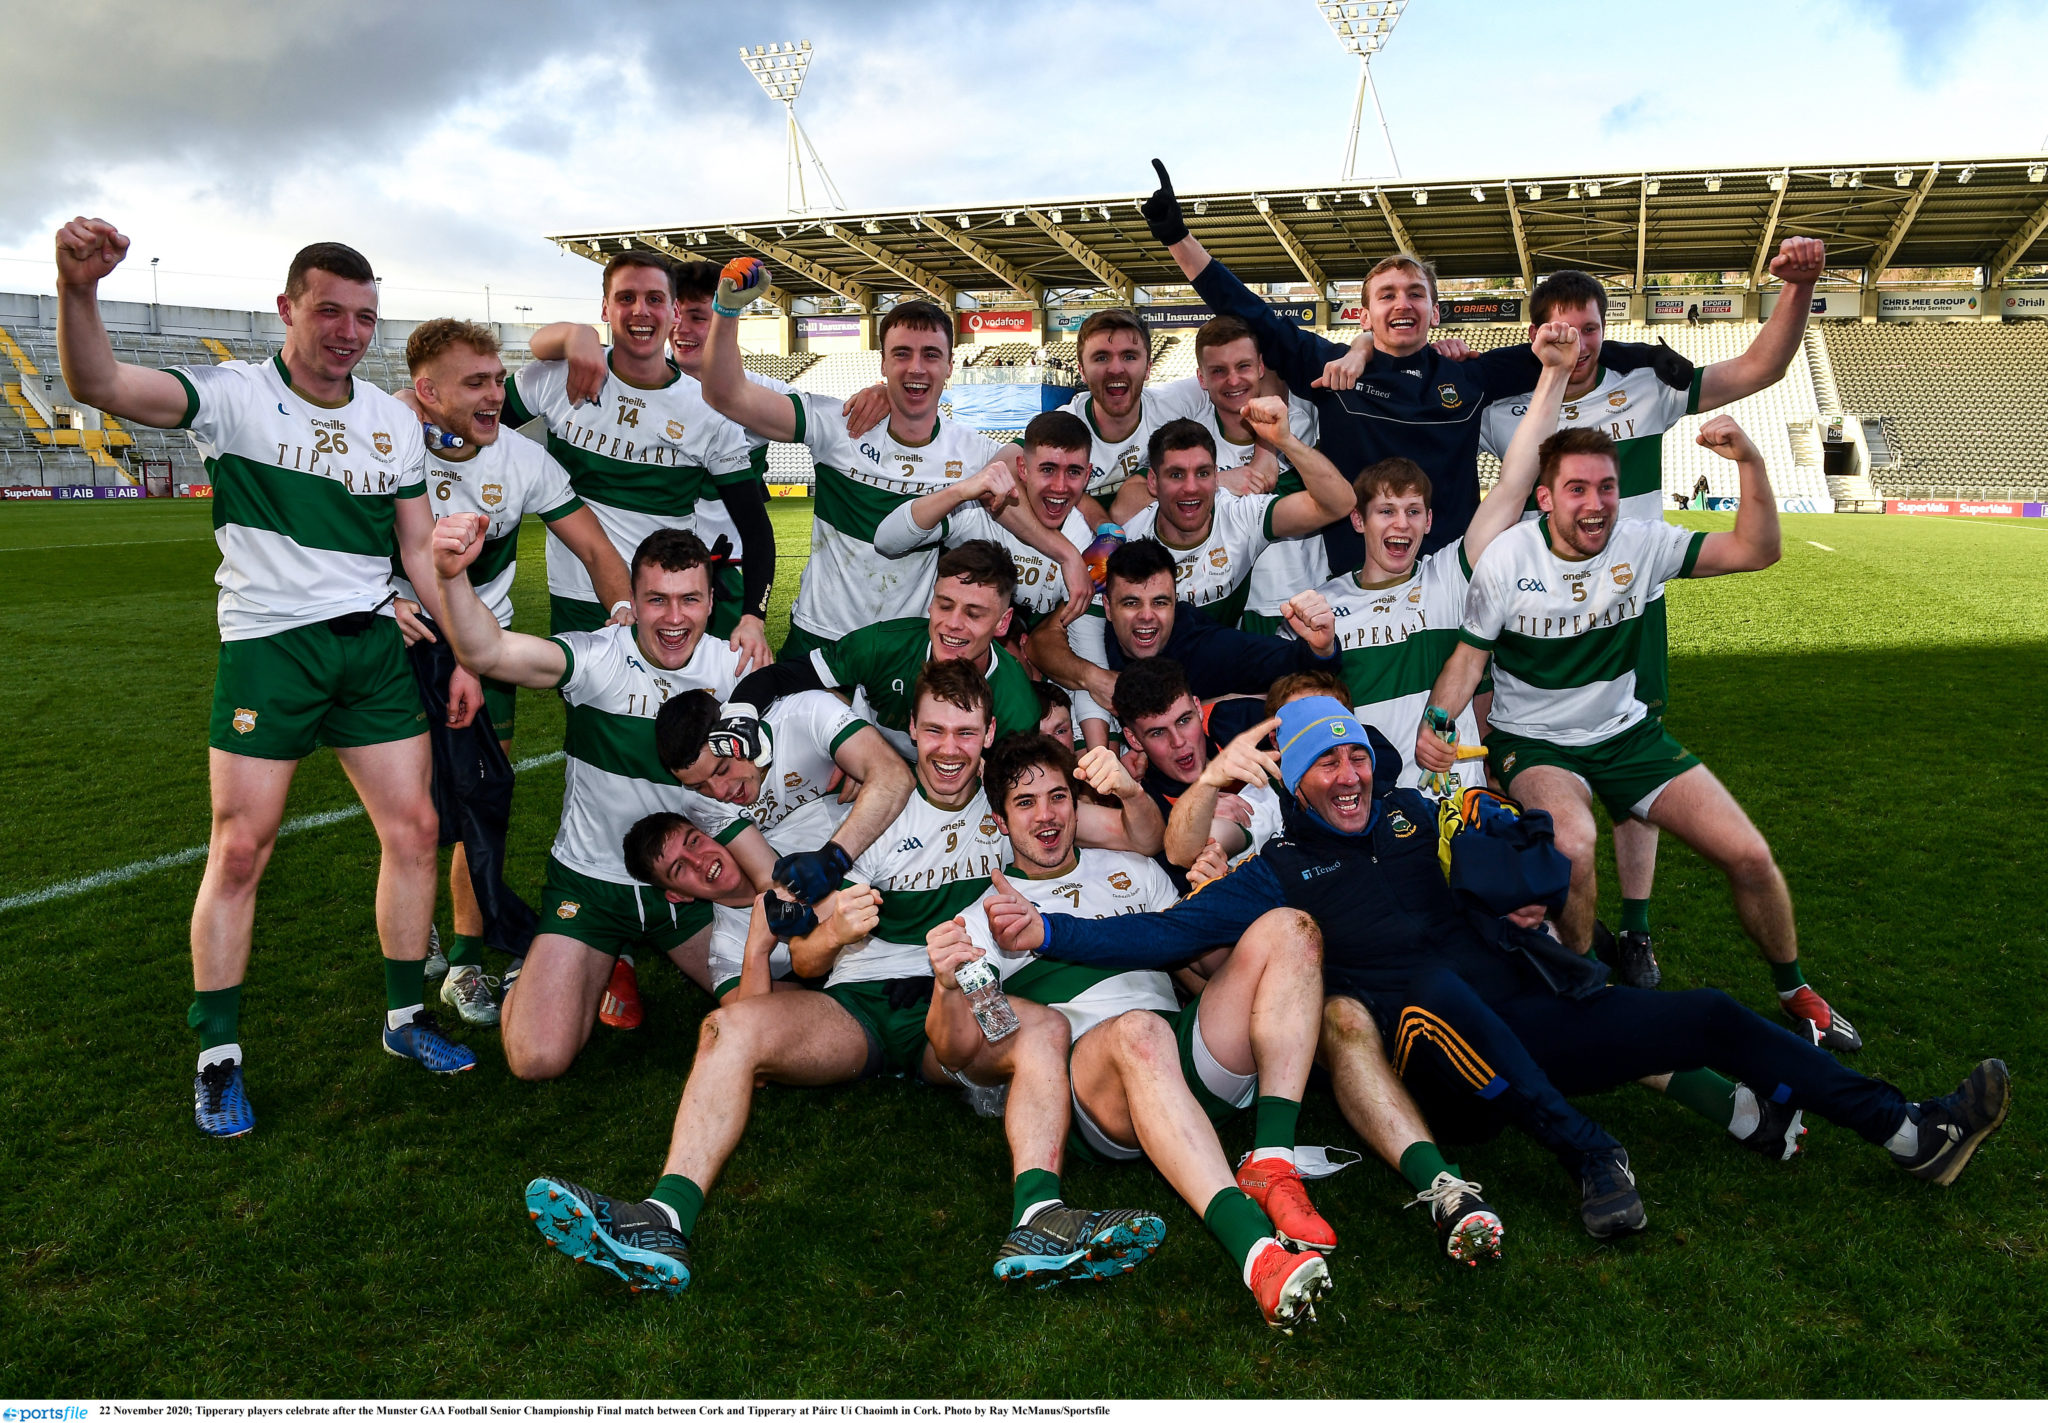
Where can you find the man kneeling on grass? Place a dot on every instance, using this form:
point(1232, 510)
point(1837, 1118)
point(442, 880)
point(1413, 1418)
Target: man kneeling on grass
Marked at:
point(867, 940)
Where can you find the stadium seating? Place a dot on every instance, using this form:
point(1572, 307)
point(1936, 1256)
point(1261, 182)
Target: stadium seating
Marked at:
point(780, 367)
point(1950, 409)
point(1002, 353)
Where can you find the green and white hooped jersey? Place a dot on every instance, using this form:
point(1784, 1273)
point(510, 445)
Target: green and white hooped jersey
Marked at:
point(1104, 884)
point(1394, 641)
point(796, 810)
point(1041, 585)
point(1111, 462)
point(1215, 575)
point(505, 481)
point(713, 520)
point(1564, 634)
point(613, 776)
point(930, 865)
point(304, 496)
point(860, 482)
point(1634, 409)
point(640, 458)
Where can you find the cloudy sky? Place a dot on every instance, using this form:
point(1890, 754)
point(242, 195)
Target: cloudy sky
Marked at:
point(446, 138)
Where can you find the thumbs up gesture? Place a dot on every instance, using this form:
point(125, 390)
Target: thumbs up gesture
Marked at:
point(1014, 920)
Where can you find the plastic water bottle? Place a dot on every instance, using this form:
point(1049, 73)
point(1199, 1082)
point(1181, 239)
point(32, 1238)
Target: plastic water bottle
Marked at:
point(984, 990)
point(438, 438)
point(1108, 539)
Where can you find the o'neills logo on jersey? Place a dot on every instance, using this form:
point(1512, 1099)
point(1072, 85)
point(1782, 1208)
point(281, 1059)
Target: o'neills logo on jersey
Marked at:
point(1448, 393)
point(492, 494)
point(1622, 576)
point(382, 440)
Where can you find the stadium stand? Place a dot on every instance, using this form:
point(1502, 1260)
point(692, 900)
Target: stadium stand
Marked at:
point(779, 367)
point(1002, 353)
point(1938, 408)
point(1177, 363)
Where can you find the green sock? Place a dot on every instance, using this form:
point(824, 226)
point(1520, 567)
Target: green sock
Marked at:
point(1705, 1091)
point(217, 1015)
point(1237, 1223)
point(1635, 917)
point(469, 948)
point(1787, 977)
point(1420, 1164)
point(683, 1196)
point(405, 983)
point(1273, 1123)
point(1032, 1187)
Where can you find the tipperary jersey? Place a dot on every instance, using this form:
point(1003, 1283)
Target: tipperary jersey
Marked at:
point(1111, 462)
point(504, 481)
point(1215, 573)
point(1041, 585)
point(1103, 884)
point(930, 864)
point(305, 496)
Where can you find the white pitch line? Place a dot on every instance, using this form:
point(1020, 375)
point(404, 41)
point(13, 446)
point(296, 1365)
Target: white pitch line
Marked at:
point(111, 543)
point(1821, 546)
point(121, 874)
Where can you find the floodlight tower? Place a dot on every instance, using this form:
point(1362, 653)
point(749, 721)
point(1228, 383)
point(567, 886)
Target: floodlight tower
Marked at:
point(1363, 29)
point(779, 69)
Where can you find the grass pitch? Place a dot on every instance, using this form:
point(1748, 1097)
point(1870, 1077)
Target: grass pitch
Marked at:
point(1877, 704)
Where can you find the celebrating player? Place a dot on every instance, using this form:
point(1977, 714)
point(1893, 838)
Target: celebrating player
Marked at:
point(935, 860)
point(614, 680)
point(1149, 1077)
point(642, 448)
point(1559, 604)
point(317, 478)
point(847, 584)
point(459, 382)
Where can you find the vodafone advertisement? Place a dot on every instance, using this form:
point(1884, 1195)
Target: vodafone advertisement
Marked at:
point(995, 323)
point(1998, 508)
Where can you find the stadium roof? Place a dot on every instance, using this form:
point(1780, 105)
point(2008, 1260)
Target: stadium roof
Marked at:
point(1959, 212)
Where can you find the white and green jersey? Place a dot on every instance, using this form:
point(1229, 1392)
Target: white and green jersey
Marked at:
point(860, 482)
point(305, 497)
point(1104, 884)
point(1215, 574)
point(1633, 408)
point(1111, 462)
point(614, 777)
point(797, 810)
point(713, 520)
point(930, 864)
point(1394, 639)
point(1041, 585)
point(505, 481)
point(1565, 633)
point(640, 457)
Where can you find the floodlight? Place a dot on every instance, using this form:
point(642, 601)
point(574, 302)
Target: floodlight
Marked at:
point(1421, 196)
point(1901, 177)
point(1856, 180)
point(1363, 30)
point(1592, 190)
point(1775, 182)
point(779, 69)
point(1312, 202)
point(1654, 186)
point(1364, 198)
point(1713, 184)
point(1058, 216)
point(1262, 204)
point(2036, 172)
point(1837, 179)
point(1573, 191)
point(1009, 219)
point(1478, 193)
point(869, 225)
point(1201, 206)
point(1534, 192)
point(1969, 172)
point(962, 220)
point(1105, 214)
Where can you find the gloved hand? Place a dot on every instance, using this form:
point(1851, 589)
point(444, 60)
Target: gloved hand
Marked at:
point(790, 918)
point(740, 734)
point(1162, 210)
point(812, 874)
point(739, 282)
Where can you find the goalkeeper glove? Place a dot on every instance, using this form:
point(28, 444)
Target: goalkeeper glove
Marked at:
point(1162, 210)
point(739, 734)
point(813, 874)
point(739, 282)
point(790, 918)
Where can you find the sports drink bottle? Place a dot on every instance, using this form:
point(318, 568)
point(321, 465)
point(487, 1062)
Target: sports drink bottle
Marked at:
point(438, 438)
point(984, 992)
point(1108, 539)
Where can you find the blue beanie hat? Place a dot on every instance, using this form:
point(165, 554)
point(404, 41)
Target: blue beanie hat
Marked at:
point(1309, 727)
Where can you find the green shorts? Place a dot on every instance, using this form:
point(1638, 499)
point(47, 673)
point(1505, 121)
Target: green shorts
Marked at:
point(1264, 624)
point(727, 598)
point(1198, 1068)
point(800, 644)
point(1653, 660)
point(1626, 771)
point(615, 918)
point(279, 697)
point(574, 615)
point(501, 702)
point(896, 1040)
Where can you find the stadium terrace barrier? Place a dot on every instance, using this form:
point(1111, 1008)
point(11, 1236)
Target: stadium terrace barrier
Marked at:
point(2002, 508)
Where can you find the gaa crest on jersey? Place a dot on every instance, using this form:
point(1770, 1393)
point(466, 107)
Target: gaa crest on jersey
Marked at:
point(492, 494)
point(1448, 393)
point(382, 440)
point(988, 825)
point(1402, 826)
point(1622, 576)
point(791, 780)
point(953, 468)
point(1618, 399)
point(1415, 595)
point(675, 429)
point(245, 720)
point(567, 909)
point(1219, 557)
